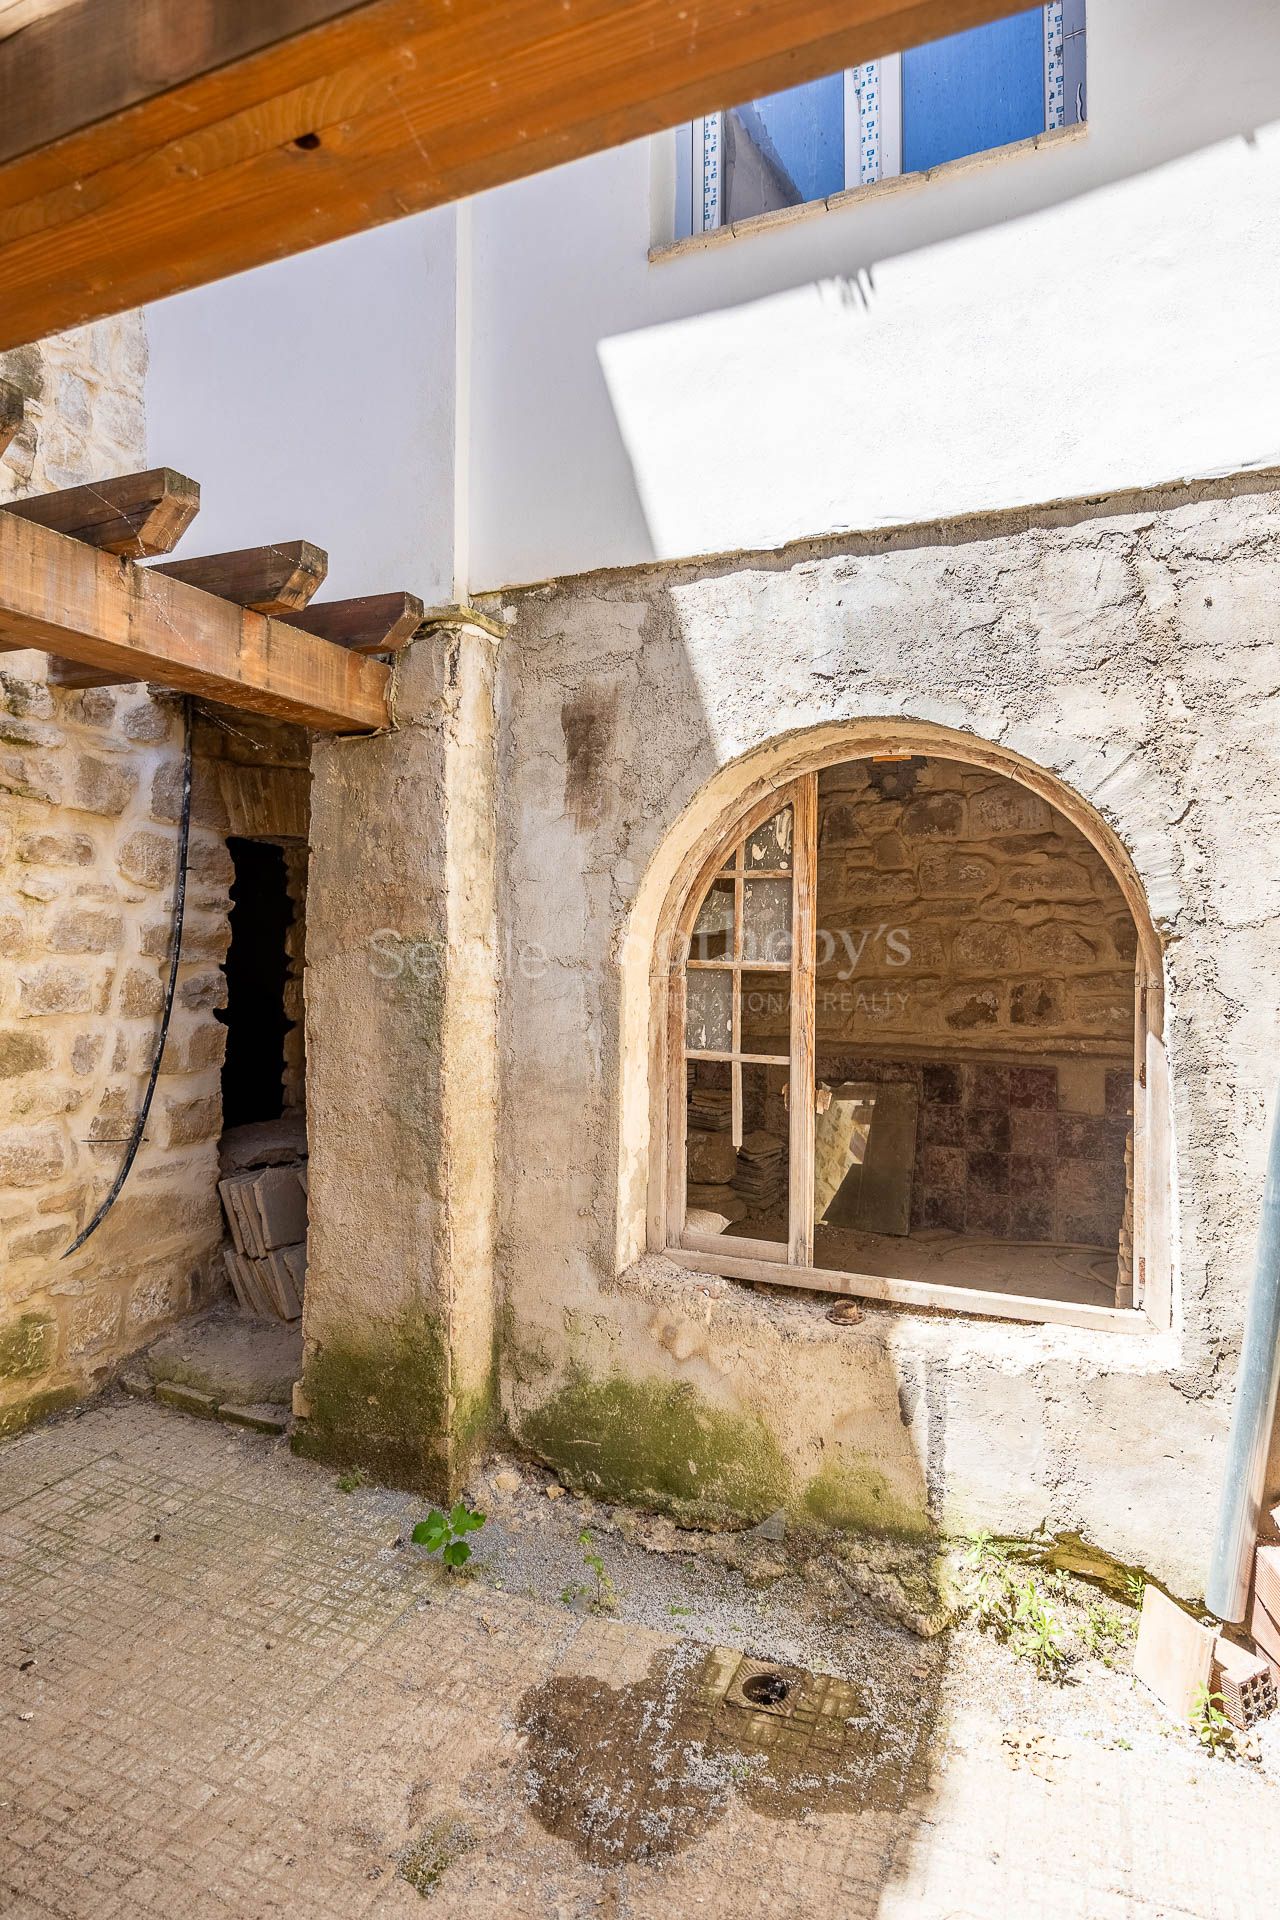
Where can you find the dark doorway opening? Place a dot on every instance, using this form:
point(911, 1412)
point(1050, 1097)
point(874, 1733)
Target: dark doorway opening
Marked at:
point(257, 966)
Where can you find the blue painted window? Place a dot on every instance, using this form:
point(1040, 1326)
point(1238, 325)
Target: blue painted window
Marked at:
point(785, 148)
point(973, 91)
point(986, 88)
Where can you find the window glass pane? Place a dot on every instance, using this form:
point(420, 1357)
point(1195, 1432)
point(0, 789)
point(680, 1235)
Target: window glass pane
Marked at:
point(770, 845)
point(784, 149)
point(766, 1012)
point(713, 930)
point(708, 1023)
point(766, 921)
point(973, 91)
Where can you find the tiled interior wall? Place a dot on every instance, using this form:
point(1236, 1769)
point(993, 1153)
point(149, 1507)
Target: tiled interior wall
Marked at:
point(1013, 1152)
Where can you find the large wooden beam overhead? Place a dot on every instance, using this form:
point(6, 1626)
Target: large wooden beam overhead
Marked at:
point(70, 599)
point(152, 145)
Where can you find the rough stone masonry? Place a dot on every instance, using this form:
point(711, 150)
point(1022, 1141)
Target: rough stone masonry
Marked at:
point(88, 834)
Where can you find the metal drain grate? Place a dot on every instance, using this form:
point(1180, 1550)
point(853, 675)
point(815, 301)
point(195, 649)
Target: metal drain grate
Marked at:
point(760, 1687)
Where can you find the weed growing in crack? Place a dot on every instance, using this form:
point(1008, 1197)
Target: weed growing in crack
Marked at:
point(1104, 1632)
point(353, 1480)
point(1211, 1726)
point(600, 1594)
point(446, 1533)
point(1004, 1601)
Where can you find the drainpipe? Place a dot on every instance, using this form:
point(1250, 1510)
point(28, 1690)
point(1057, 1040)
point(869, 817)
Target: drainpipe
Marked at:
point(1227, 1594)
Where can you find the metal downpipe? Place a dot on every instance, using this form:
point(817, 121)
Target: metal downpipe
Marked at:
point(1227, 1593)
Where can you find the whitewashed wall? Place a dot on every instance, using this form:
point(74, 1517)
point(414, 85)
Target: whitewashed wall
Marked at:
point(317, 399)
point(1095, 314)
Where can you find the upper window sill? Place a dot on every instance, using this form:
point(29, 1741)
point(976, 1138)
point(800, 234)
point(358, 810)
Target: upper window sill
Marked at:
point(855, 196)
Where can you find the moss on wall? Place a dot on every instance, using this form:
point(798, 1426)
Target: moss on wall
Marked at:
point(659, 1444)
point(26, 1346)
point(20, 1414)
point(379, 1399)
point(856, 1497)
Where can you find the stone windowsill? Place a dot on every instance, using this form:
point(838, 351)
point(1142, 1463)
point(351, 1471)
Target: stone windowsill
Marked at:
point(855, 196)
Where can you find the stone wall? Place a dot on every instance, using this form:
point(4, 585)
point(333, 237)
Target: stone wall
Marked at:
point(1128, 648)
point(89, 800)
point(958, 910)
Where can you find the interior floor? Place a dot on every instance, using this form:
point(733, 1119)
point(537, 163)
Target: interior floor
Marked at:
point(1080, 1276)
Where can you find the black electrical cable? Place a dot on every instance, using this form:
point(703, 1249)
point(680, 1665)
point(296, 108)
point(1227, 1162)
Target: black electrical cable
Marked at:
point(175, 948)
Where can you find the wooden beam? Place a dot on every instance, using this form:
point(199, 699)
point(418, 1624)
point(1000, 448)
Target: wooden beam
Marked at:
point(134, 513)
point(278, 579)
point(375, 623)
point(12, 412)
point(67, 598)
point(148, 149)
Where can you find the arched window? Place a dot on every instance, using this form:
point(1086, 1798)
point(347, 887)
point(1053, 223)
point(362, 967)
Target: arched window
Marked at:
point(903, 1009)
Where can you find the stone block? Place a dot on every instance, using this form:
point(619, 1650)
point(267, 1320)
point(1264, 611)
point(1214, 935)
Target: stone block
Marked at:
point(29, 1156)
point(22, 1053)
point(186, 1399)
point(42, 1243)
point(970, 1009)
point(1047, 876)
point(55, 849)
point(1056, 943)
point(1006, 807)
point(148, 859)
point(190, 1121)
point(148, 722)
point(935, 816)
point(712, 1158)
point(264, 1418)
point(965, 875)
point(92, 707)
point(985, 947)
point(103, 786)
point(1036, 1003)
point(14, 936)
point(30, 777)
point(79, 929)
point(202, 991)
point(56, 989)
point(86, 1051)
point(142, 994)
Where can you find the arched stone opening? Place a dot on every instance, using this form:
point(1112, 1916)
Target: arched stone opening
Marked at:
point(952, 952)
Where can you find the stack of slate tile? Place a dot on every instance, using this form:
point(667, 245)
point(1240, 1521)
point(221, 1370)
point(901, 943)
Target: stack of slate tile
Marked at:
point(761, 1174)
point(709, 1109)
point(265, 1203)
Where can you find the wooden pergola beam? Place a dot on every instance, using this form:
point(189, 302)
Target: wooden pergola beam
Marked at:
point(68, 598)
point(278, 579)
point(144, 149)
point(135, 513)
point(373, 623)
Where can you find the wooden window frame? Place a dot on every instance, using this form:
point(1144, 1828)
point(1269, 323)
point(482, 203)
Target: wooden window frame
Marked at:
point(792, 1265)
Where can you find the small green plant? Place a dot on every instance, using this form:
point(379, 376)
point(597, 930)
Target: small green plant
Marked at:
point(1037, 1636)
point(352, 1480)
point(1210, 1724)
point(1003, 1602)
point(1104, 1632)
point(1134, 1586)
point(601, 1595)
point(446, 1533)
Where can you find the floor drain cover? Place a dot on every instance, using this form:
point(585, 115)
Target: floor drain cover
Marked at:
point(761, 1687)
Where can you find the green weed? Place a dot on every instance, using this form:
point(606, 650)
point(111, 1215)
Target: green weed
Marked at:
point(446, 1534)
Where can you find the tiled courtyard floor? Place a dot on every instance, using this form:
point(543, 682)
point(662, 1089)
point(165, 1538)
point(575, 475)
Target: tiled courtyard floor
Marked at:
point(226, 1691)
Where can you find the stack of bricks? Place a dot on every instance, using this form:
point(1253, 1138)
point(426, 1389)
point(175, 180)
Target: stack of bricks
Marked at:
point(90, 784)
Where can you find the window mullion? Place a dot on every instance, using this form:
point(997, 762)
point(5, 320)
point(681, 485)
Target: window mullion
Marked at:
point(804, 855)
